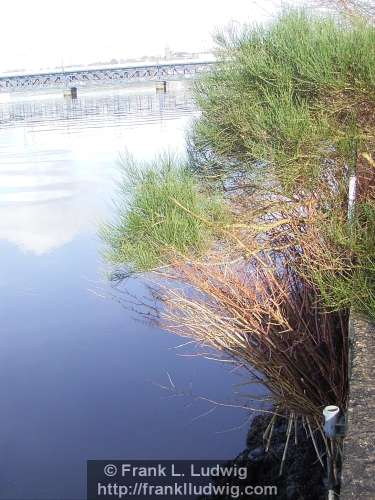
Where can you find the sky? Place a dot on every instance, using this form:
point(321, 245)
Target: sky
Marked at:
point(48, 33)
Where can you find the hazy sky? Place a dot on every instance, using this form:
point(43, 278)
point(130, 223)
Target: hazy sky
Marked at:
point(41, 33)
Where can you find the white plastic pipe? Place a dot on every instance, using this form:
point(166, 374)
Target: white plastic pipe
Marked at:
point(331, 414)
point(351, 196)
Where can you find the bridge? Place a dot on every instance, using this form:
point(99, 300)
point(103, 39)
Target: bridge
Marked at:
point(72, 77)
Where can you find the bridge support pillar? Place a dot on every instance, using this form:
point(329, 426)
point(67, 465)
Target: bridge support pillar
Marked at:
point(161, 86)
point(72, 93)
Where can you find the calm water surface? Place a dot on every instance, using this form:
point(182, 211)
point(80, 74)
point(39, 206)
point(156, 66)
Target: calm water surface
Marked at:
point(78, 373)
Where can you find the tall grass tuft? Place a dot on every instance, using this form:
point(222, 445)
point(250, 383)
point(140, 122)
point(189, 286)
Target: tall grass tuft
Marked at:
point(292, 106)
point(162, 211)
point(286, 95)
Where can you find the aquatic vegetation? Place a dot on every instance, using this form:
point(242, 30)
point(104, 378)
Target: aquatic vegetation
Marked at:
point(294, 103)
point(287, 118)
point(162, 212)
point(265, 317)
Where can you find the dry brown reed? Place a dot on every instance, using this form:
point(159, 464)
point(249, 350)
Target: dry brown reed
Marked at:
point(263, 314)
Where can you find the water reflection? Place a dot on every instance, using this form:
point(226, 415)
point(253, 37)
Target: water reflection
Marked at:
point(109, 109)
point(57, 155)
point(75, 368)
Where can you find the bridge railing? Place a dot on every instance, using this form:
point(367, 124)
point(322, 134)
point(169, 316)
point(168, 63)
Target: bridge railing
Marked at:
point(129, 73)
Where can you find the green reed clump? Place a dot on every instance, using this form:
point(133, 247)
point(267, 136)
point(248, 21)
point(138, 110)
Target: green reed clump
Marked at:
point(293, 105)
point(342, 263)
point(285, 118)
point(162, 212)
point(284, 94)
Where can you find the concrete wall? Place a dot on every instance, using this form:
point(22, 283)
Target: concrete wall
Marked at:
point(358, 473)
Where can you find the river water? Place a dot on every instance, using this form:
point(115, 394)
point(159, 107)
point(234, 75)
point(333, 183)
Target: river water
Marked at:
point(78, 372)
